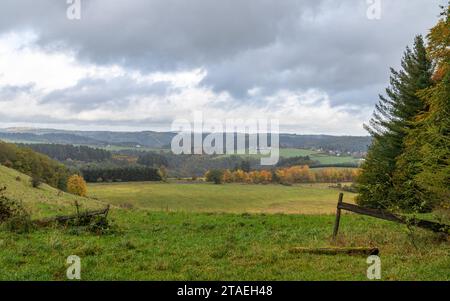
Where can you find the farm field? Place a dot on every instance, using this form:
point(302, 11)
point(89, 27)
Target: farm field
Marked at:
point(232, 198)
point(317, 156)
point(323, 158)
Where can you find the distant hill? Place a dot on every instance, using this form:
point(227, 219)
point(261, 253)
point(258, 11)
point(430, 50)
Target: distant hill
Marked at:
point(59, 138)
point(153, 139)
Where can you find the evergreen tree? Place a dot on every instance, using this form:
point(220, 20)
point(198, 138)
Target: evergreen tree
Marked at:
point(389, 125)
point(423, 170)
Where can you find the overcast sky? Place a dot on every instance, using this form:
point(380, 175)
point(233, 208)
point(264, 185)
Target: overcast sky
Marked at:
point(317, 66)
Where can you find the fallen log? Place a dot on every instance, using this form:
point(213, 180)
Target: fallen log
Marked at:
point(62, 219)
point(336, 251)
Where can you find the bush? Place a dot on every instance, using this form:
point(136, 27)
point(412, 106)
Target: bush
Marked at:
point(99, 225)
point(163, 173)
point(13, 216)
point(76, 185)
point(19, 223)
point(35, 182)
point(215, 176)
point(8, 164)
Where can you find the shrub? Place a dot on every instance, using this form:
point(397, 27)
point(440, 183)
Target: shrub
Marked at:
point(35, 182)
point(8, 164)
point(13, 216)
point(20, 223)
point(163, 173)
point(99, 225)
point(215, 176)
point(76, 185)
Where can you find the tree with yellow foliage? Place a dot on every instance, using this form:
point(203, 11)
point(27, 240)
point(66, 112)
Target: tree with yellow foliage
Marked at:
point(76, 185)
point(227, 176)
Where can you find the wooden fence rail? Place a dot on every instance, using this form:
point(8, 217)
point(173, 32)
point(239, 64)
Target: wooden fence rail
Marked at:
point(66, 218)
point(386, 215)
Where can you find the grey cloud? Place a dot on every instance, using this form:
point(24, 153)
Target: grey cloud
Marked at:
point(157, 33)
point(242, 44)
point(90, 93)
point(9, 92)
point(154, 122)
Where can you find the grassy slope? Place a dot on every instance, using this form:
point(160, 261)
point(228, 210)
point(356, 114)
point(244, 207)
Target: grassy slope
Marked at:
point(236, 198)
point(40, 201)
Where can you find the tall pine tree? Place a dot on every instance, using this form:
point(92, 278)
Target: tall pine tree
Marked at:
point(423, 170)
point(389, 126)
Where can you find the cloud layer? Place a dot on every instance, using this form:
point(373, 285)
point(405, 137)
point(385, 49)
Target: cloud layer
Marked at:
point(318, 66)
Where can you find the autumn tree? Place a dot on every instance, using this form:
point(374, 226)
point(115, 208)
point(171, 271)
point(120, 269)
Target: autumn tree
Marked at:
point(227, 176)
point(76, 185)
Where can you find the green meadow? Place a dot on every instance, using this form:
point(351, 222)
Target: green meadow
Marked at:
point(176, 231)
point(231, 198)
point(213, 246)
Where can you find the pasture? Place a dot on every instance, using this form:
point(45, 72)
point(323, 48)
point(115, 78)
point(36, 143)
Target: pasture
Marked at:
point(213, 246)
point(322, 158)
point(231, 198)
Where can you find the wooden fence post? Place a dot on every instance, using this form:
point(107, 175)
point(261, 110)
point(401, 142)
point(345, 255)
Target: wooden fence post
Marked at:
point(338, 216)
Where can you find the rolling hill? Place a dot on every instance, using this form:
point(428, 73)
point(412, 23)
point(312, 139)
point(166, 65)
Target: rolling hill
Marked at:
point(42, 201)
point(151, 139)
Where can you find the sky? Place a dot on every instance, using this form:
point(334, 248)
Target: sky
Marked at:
point(316, 66)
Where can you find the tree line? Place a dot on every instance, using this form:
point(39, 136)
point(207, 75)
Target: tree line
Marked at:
point(64, 152)
point(121, 174)
point(289, 175)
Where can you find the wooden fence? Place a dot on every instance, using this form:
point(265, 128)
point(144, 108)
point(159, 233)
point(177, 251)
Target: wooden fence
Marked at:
point(386, 215)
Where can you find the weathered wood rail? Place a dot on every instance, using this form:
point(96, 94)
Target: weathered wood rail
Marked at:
point(386, 215)
point(66, 218)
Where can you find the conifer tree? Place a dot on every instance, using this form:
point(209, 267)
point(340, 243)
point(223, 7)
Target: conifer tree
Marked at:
point(423, 170)
point(391, 121)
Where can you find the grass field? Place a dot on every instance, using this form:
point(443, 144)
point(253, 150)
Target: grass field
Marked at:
point(233, 198)
point(322, 158)
point(185, 243)
point(317, 156)
point(200, 246)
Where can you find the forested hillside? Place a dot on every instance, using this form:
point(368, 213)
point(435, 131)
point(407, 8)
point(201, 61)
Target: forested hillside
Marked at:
point(33, 164)
point(63, 152)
